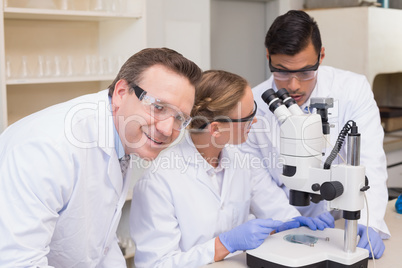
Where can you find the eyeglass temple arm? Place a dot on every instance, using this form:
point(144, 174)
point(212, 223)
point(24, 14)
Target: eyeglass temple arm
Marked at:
point(139, 92)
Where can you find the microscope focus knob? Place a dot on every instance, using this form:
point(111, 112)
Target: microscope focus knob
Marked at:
point(331, 189)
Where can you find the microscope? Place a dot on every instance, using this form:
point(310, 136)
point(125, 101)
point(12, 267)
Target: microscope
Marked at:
point(302, 142)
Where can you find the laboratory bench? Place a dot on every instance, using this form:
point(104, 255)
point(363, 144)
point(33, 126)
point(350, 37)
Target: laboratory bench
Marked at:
point(393, 141)
point(390, 259)
point(393, 153)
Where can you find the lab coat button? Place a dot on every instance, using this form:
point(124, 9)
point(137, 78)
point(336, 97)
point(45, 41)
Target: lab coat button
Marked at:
point(106, 250)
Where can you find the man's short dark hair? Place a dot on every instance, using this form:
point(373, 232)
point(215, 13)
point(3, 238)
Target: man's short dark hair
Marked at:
point(291, 33)
point(133, 69)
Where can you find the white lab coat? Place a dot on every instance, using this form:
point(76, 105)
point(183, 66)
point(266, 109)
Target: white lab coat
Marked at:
point(177, 212)
point(61, 188)
point(353, 100)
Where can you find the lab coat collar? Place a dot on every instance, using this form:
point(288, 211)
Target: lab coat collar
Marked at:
point(323, 88)
point(105, 123)
point(216, 170)
point(191, 155)
point(106, 141)
point(118, 145)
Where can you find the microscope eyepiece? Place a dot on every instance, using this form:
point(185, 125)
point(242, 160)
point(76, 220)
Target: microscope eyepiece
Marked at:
point(270, 98)
point(283, 94)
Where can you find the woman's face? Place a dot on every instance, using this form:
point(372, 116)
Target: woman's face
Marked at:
point(237, 132)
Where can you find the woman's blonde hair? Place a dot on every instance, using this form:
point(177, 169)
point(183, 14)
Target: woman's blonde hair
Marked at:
point(216, 95)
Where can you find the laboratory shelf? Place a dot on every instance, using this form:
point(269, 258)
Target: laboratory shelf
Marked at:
point(35, 29)
point(62, 79)
point(57, 14)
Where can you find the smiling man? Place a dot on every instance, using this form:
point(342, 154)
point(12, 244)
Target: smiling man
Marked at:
point(62, 181)
point(294, 54)
point(150, 109)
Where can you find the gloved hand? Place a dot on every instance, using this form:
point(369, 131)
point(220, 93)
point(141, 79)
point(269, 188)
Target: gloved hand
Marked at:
point(376, 242)
point(328, 219)
point(249, 235)
point(324, 220)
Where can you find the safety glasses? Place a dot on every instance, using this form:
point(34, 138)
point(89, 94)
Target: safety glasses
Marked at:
point(225, 119)
point(160, 110)
point(303, 74)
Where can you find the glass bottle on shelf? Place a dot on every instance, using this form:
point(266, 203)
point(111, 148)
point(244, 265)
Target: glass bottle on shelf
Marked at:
point(66, 5)
point(97, 5)
point(24, 72)
point(9, 71)
point(40, 72)
point(69, 68)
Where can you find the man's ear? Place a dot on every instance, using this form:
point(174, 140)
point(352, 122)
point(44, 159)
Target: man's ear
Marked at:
point(267, 54)
point(214, 129)
point(322, 54)
point(120, 89)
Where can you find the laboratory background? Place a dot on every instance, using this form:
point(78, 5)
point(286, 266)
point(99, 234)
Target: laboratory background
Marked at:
point(55, 50)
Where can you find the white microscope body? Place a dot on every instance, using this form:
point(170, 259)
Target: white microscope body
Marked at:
point(302, 142)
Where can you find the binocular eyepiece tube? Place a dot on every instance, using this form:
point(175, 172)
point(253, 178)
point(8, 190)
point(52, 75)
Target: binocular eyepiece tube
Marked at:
point(283, 94)
point(281, 104)
point(270, 98)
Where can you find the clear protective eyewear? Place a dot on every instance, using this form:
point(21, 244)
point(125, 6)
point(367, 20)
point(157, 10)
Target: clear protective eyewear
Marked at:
point(303, 74)
point(162, 111)
point(225, 119)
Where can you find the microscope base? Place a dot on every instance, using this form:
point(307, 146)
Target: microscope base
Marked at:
point(276, 252)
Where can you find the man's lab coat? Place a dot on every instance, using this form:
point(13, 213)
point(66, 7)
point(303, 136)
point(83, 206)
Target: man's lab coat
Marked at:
point(61, 188)
point(353, 100)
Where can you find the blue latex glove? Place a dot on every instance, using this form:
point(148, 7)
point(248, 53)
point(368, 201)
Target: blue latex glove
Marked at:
point(325, 220)
point(376, 242)
point(328, 219)
point(249, 235)
point(288, 225)
point(398, 204)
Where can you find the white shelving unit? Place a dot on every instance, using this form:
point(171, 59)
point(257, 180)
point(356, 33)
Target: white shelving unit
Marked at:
point(364, 40)
point(50, 55)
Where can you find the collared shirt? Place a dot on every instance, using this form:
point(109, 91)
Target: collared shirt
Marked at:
point(118, 145)
point(217, 174)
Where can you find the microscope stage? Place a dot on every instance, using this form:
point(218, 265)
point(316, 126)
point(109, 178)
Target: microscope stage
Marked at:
point(279, 251)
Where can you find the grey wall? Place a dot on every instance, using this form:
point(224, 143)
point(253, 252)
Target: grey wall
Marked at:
point(238, 29)
point(181, 25)
point(237, 38)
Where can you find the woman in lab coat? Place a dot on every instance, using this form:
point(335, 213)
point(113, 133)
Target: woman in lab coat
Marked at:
point(194, 204)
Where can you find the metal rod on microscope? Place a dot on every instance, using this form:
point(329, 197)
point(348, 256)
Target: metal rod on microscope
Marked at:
point(353, 159)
